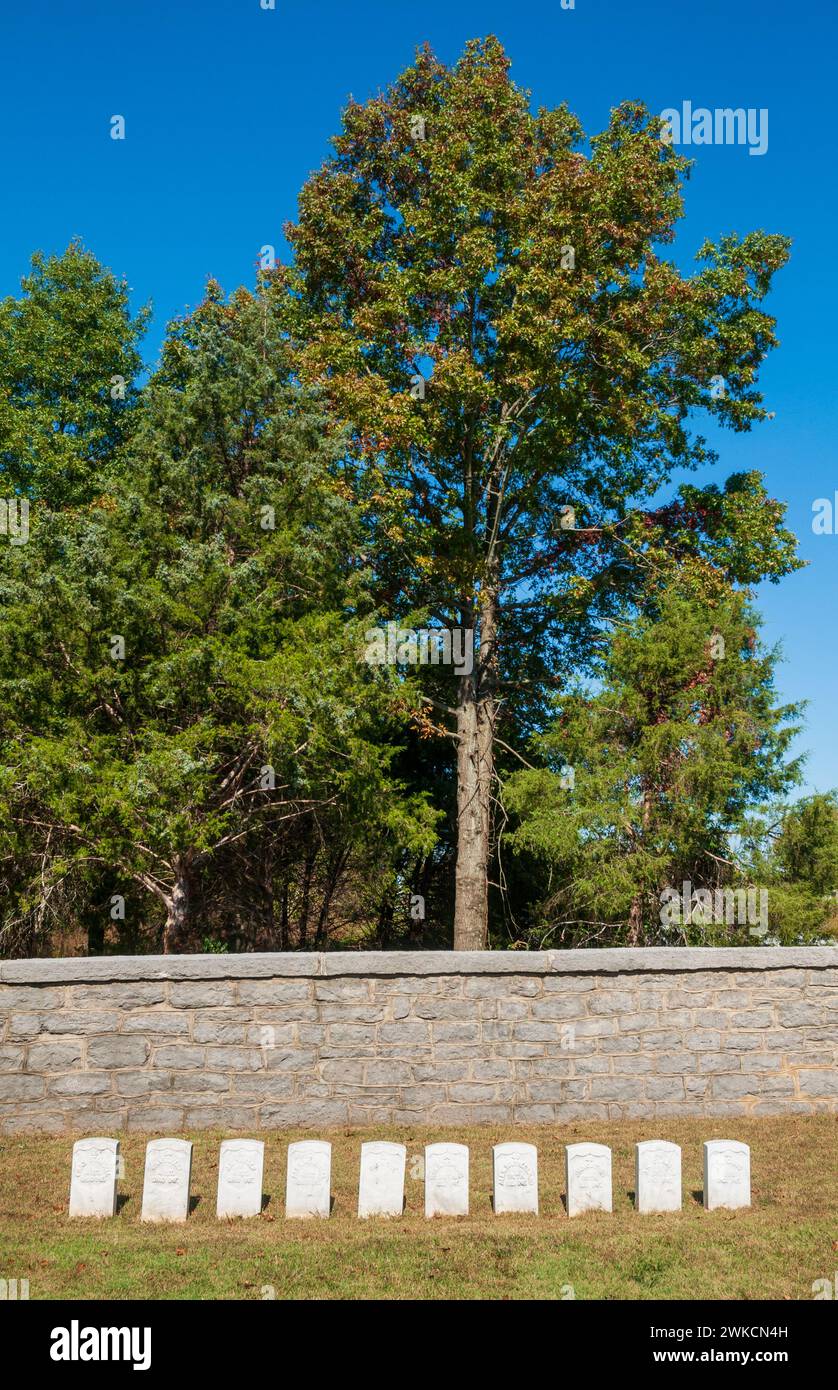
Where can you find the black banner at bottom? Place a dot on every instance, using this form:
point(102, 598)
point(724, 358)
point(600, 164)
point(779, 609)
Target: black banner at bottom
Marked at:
point(247, 1338)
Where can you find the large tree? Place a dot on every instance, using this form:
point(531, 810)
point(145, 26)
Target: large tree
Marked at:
point(487, 305)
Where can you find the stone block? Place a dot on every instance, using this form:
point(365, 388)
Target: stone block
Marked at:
point(116, 1050)
point(393, 1036)
point(261, 1086)
point(340, 991)
point(308, 1115)
point(387, 1073)
point(155, 1119)
point(83, 1023)
point(79, 1084)
point(617, 1088)
point(142, 1083)
point(179, 1057)
point(46, 1057)
point(819, 1083)
point(664, 1088)
point(239, 1059)
point(98, 997)
point(275, 991)
point(206, 994)
point(23, 1027)
point(162, 1023)
point(29, 999)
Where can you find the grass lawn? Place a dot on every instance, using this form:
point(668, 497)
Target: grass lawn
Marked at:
point(776, 1249)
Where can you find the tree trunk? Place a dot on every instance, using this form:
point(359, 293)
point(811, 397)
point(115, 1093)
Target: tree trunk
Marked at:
point(475, 773)
point(635, 920)
point(385, 923)
point(265, 936)
point(177, 907)
point(308, 873)
point(332, 880)
point(635, 933)
point(283, 919)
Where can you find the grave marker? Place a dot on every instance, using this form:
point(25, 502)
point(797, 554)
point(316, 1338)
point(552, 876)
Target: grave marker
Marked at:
point(308, 1187)
point(381, 1186)
point(727, 1174)
point(93, 1177)
point(657, 1185)
point(446, 1180)
point(168, 1169)
point(588, 1176)
point(240, 1168)
point(515, 1178)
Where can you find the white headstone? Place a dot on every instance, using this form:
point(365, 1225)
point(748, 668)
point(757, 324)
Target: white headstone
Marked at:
point(727, 1174)
point(93, 1177)
point(240, 1167)
point(308, 1186)
point(381, 1189)
point(657, 1185)
point(588, 1175)
point(168, 1169)
point(515, 1178)
point(446, 1180)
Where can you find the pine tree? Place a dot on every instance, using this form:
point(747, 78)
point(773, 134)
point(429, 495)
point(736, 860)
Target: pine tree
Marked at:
point(181, 684)
point(646, 782)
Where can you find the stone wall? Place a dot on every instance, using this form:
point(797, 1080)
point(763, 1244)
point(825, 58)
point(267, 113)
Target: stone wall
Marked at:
point(260, 1042)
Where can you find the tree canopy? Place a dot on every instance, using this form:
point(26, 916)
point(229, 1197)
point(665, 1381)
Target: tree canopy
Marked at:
point(451, 422)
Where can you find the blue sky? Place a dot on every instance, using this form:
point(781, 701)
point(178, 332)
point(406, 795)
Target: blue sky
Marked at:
point(229, 107)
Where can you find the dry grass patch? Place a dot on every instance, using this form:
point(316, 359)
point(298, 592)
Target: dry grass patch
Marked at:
point(777, 1249)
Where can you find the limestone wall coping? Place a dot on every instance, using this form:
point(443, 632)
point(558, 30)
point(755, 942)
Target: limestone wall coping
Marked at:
point(328, 964)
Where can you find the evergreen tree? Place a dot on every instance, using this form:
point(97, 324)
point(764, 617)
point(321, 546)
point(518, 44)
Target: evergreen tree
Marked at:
point(181, 679)
point(69, 361)
point(796, 853)
point(646, 782)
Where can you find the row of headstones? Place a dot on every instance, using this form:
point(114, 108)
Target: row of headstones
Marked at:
point(168, 1169)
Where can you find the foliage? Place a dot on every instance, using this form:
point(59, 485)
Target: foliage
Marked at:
point(461, 404)
point(490, 310)
point(646, 782)
point(239, 706)
point(69, 359)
